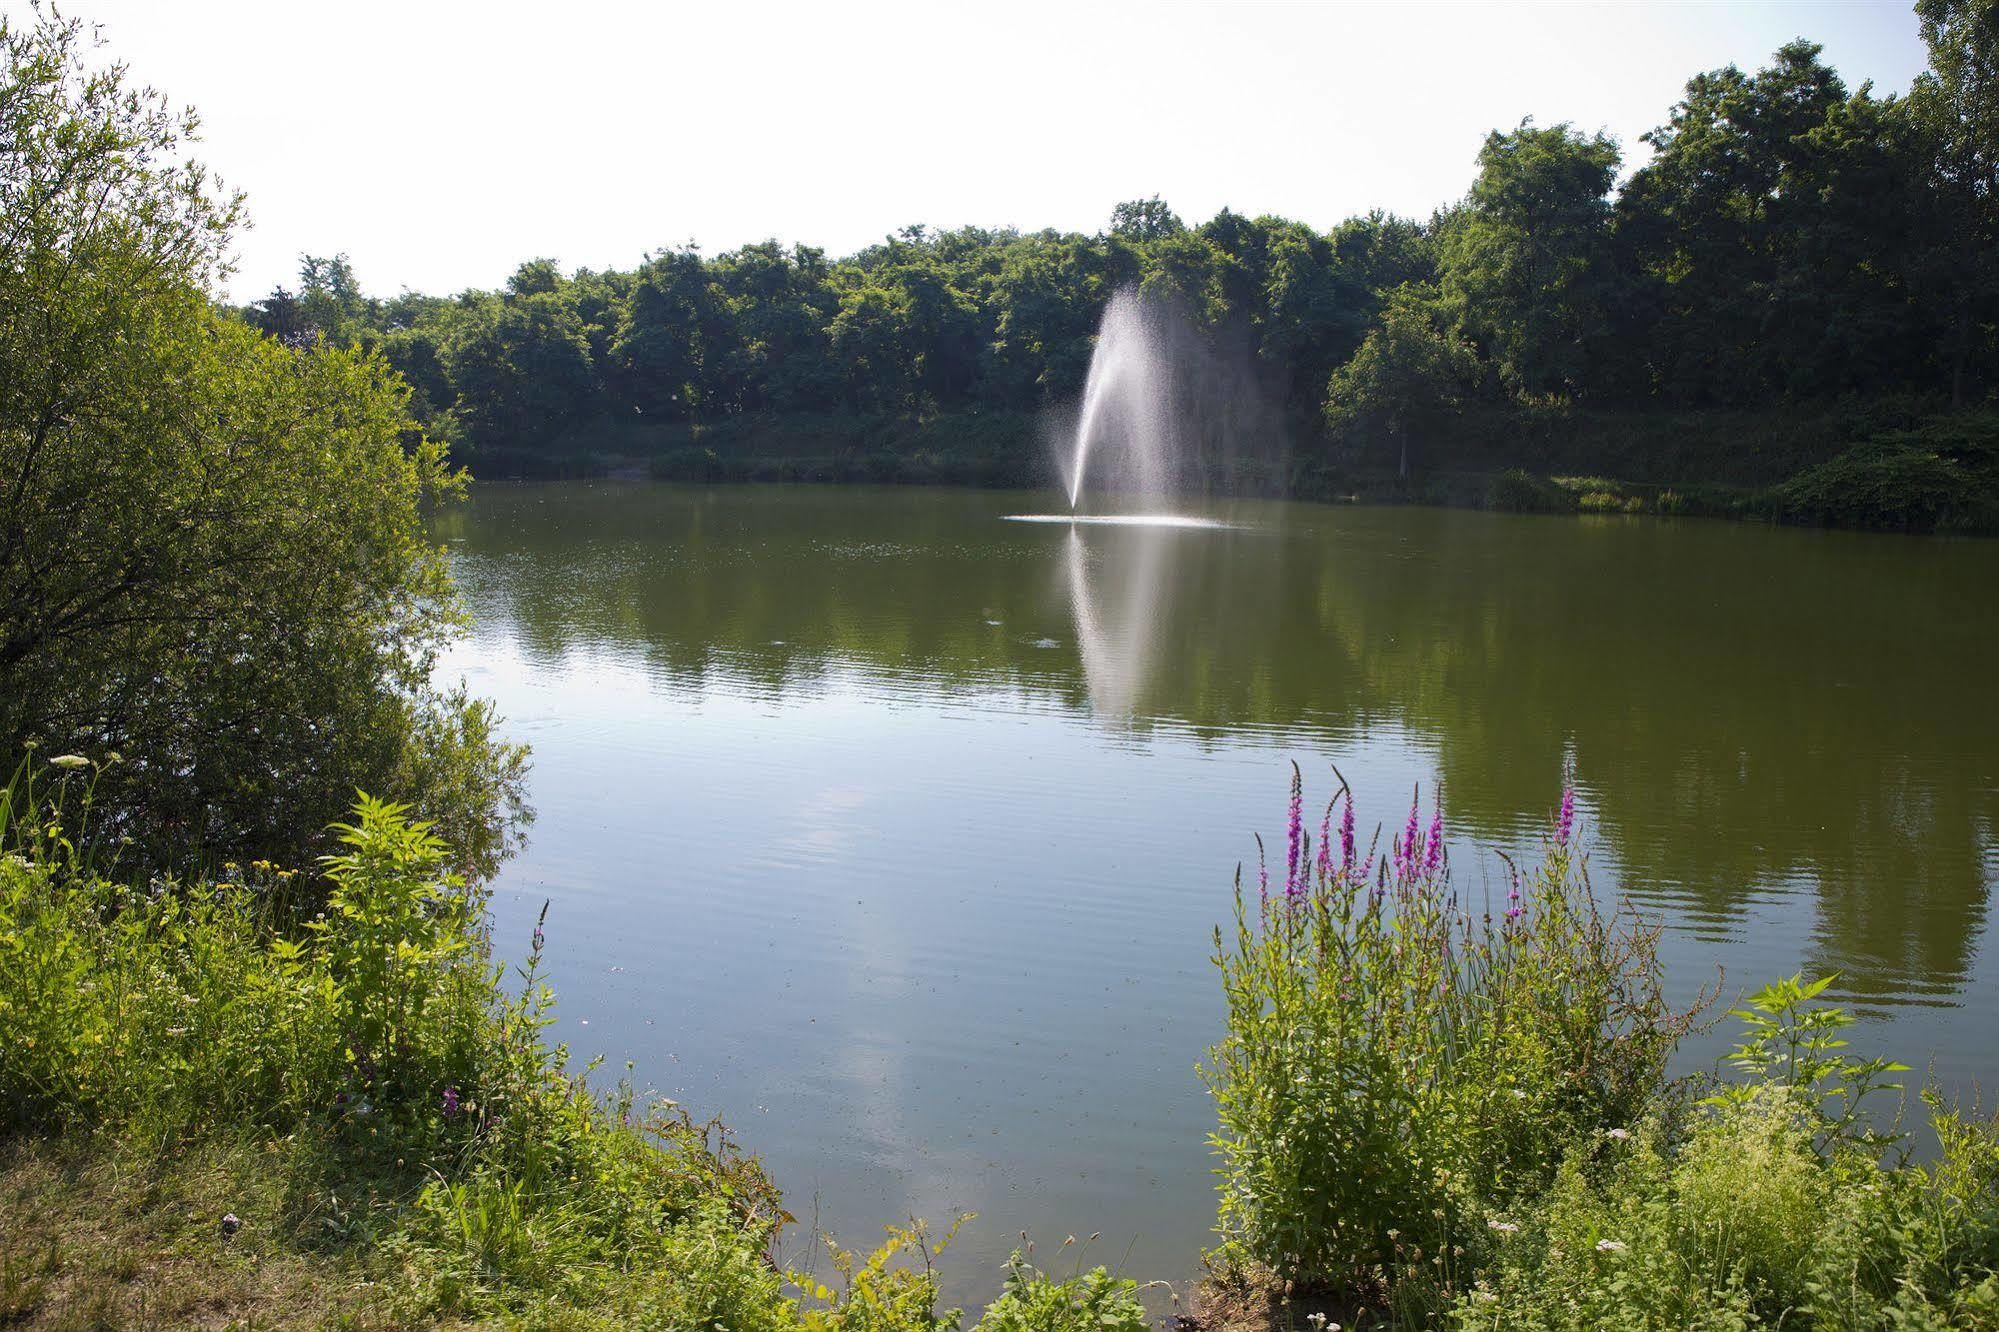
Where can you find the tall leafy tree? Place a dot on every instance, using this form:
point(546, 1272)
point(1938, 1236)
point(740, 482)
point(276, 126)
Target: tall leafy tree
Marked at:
point(1145, 220)
point(1408, 379)
point(521, 367)
point(213, 557)
point(1957, 103)
point(1529, 258)
point(1707, 224)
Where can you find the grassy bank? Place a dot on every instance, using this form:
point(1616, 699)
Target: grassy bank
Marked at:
point(1890, 466)
point(1439, 1112)
point(273, 1098)
point(276, 1098)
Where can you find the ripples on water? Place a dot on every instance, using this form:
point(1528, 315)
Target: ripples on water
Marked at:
point(896, 833)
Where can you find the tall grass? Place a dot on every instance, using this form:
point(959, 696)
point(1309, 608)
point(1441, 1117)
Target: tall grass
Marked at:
point(1436, 1112)
point(1398, 1060)
point(338, 1051)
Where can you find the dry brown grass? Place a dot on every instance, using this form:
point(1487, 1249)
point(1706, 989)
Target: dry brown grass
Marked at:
point(1257, 1301)
point(100, 1240)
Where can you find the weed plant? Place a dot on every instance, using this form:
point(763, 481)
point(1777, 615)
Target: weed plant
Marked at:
point(1397, 1061)
point(262, 1085)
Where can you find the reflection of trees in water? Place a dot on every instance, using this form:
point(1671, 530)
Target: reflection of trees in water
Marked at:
point(1748, 706)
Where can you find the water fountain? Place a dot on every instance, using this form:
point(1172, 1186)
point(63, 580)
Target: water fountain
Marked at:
point(1124, 399)
point(1129, 437)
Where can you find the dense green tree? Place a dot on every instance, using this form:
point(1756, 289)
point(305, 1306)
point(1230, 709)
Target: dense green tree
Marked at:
point(213, 557)
point(1957, 104)
point(1408, 378)
point(1708, 223)
point(672, 332)
point(870, 351)
point(331, 298)
point(1044, 306)
point(782, 303)
point(1790, 242)
point(520, 366)
point(1528, 262)
point(1145, 220)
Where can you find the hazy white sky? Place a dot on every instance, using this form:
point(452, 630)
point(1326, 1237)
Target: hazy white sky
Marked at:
point(441, 143)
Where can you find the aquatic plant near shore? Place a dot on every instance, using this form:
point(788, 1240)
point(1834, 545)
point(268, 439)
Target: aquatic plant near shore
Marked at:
point(1397, 1066)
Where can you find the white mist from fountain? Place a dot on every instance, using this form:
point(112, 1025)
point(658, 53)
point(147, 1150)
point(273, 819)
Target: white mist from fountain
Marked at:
point(1134, 433)
point(1125, 417)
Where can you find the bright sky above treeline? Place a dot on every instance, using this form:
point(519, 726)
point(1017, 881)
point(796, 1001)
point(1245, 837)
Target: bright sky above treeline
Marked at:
point(439, 144)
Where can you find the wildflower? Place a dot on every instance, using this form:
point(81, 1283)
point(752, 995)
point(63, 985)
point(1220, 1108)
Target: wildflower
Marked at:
point(1433, 855)
point(450, 1102)
point(1621, 1134)
point(1503, 1227)
point(69, 761)
point(1346, 833)
point(1407, 849)
point(1610, 1246)
point(1565, 821)
point(1294, 831)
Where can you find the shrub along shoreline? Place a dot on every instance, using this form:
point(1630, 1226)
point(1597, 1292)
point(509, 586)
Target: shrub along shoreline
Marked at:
point(1892, 467)
point(311, 1099)
point(273, 1098)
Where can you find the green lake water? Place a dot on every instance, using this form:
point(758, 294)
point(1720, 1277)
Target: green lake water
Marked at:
point(895, 832)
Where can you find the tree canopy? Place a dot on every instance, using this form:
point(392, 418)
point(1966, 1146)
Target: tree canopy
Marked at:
point(1791, 241)
point(213, 559)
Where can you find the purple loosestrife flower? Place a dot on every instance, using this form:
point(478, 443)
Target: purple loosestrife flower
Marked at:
point(1346, 833)
point(1433, 854)
point(1326, 845)
point(1295, 832)
point(450, 1102)
point(1410, 846)
point(1565, 821)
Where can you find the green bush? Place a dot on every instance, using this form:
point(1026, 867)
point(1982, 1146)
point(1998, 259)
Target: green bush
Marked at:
point(1519, 491)
point(1752, 1216)
point(1943, 476)
point(371, 1045)
point(1033, 1301)
point(1396, 1064)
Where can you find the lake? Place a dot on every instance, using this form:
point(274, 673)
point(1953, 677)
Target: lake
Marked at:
point(895, 832)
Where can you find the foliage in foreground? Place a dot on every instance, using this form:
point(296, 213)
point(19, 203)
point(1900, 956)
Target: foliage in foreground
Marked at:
point(214, 557)
point(1441, 1117)
point(337, 1065)
point(1396, 1061)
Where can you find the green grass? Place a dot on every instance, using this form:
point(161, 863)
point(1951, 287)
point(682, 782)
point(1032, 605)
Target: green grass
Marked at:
point(1436, 1117)
point(298, 1099)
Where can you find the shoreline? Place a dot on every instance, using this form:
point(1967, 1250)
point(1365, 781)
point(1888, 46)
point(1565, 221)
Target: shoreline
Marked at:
point(1879, 469)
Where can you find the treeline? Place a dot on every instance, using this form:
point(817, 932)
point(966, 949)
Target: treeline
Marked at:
point(1793, 242)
